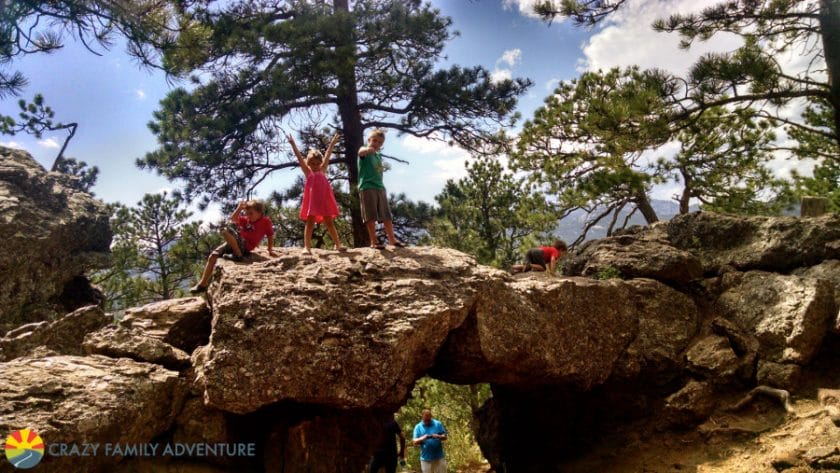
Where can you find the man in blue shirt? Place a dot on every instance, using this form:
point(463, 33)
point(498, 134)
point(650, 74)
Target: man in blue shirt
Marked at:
point(430, 435)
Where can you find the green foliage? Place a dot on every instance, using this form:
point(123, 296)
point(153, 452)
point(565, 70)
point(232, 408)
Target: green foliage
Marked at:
point(490, 214)
point(34, 27)
point(585, 145)
point(819, 146)
point(155, 252)
point(722, 163)
point(608, 272)
point(453, 405)
point(258, 64)
point(36, 118)
point(85, 175)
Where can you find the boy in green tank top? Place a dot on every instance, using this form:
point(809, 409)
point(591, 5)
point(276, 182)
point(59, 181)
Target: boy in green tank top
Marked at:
point(372, 195)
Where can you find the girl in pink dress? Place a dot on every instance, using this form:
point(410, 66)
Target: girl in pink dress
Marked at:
point(318, 199)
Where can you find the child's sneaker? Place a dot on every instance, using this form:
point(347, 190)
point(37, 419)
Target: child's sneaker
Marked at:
point(198, 289)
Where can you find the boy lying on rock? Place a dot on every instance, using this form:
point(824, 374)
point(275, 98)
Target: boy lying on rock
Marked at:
point(251, 226)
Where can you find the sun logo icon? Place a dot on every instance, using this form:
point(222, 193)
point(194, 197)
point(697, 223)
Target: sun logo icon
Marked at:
point(24, 448)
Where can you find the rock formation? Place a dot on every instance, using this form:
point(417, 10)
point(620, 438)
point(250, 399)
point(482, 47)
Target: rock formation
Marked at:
point(52, 234)
point(305, 354)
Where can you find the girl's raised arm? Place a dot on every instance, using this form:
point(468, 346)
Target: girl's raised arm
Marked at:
point(299, 156)
point(328, 154)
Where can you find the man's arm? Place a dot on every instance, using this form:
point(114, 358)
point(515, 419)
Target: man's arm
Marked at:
point(234, 217)
point(418, 440)
point(552, 265)
point(443, 435)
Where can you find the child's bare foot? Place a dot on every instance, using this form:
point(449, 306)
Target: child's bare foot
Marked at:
point(308, 251)
point(340, 248)
point(398, 244)
point(197, 289)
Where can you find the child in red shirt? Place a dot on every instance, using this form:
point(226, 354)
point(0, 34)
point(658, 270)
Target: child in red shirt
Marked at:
point(251, 226)
point(538, 259)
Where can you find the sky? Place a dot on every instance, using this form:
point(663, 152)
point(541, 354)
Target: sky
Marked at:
point(112, 99)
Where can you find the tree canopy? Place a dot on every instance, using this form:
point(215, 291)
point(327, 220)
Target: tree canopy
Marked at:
point(257, 65)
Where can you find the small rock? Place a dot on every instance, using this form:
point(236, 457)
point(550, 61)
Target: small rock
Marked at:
point(778, 375)
point(691, 404)
point(818, 453)
point(787, 460)
point(712, 356)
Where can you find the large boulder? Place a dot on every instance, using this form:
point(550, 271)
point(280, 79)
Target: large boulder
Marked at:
point(63, 335)
point(563, 338)
point(350, 330)
point(789, 315)
point(52, 233)
point(830, 271)
point(766, 243)
point(640, 255)
point(91, 399)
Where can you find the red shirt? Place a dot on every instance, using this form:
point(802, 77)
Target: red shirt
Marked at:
point(550, 252)
point(252, 233)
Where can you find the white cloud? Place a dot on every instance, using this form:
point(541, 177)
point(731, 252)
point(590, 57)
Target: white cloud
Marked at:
point(452, 164)
point(626, 38)
point(525, 7)
point(551, 85)
point(140, 94)
point(49, 143)
point(499, 75)
point(511, 57)
point(11, 144)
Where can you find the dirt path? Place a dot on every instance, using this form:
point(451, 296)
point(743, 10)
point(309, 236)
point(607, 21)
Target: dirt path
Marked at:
point(751, 440)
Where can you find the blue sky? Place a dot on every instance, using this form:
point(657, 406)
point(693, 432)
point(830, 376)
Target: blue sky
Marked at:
point(113, 100)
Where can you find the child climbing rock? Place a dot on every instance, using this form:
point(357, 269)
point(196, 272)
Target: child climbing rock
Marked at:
point(542, 258)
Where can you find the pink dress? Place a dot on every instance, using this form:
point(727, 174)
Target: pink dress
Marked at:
point(318, 198)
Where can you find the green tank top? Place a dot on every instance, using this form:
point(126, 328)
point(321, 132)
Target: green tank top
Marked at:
point(370, 171)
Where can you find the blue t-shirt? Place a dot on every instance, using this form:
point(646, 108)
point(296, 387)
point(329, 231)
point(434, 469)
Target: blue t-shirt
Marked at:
point(431, 449)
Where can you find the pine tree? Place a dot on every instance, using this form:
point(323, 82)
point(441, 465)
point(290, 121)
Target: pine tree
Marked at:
point(722, 162)
point(256, 64)
point(156, 251)
point(490, 214)
point(750, 76)
point(825, 179)
point(585, 145)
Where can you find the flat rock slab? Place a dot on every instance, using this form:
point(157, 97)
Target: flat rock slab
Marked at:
point(765, 243)
point(74, 399)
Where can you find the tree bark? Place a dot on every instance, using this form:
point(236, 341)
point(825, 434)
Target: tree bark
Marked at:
point(685, 198)
point(351, 120)
point(643, 203)
point(830, 28)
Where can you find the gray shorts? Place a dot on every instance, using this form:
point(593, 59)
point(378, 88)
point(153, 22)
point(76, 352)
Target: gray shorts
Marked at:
point(375, 205)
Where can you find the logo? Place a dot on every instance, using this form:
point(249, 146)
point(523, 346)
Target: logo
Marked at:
point(24, 448)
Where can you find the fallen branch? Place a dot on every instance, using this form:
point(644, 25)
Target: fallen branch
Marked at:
point(780, 395)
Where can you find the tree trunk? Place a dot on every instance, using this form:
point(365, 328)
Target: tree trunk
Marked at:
point(830, 27)
point(685, 198)
point(643, 203)
point(351, 120)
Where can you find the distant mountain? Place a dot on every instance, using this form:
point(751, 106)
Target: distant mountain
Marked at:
point(570, 227)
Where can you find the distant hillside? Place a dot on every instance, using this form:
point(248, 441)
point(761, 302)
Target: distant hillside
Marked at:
point(571, 226)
